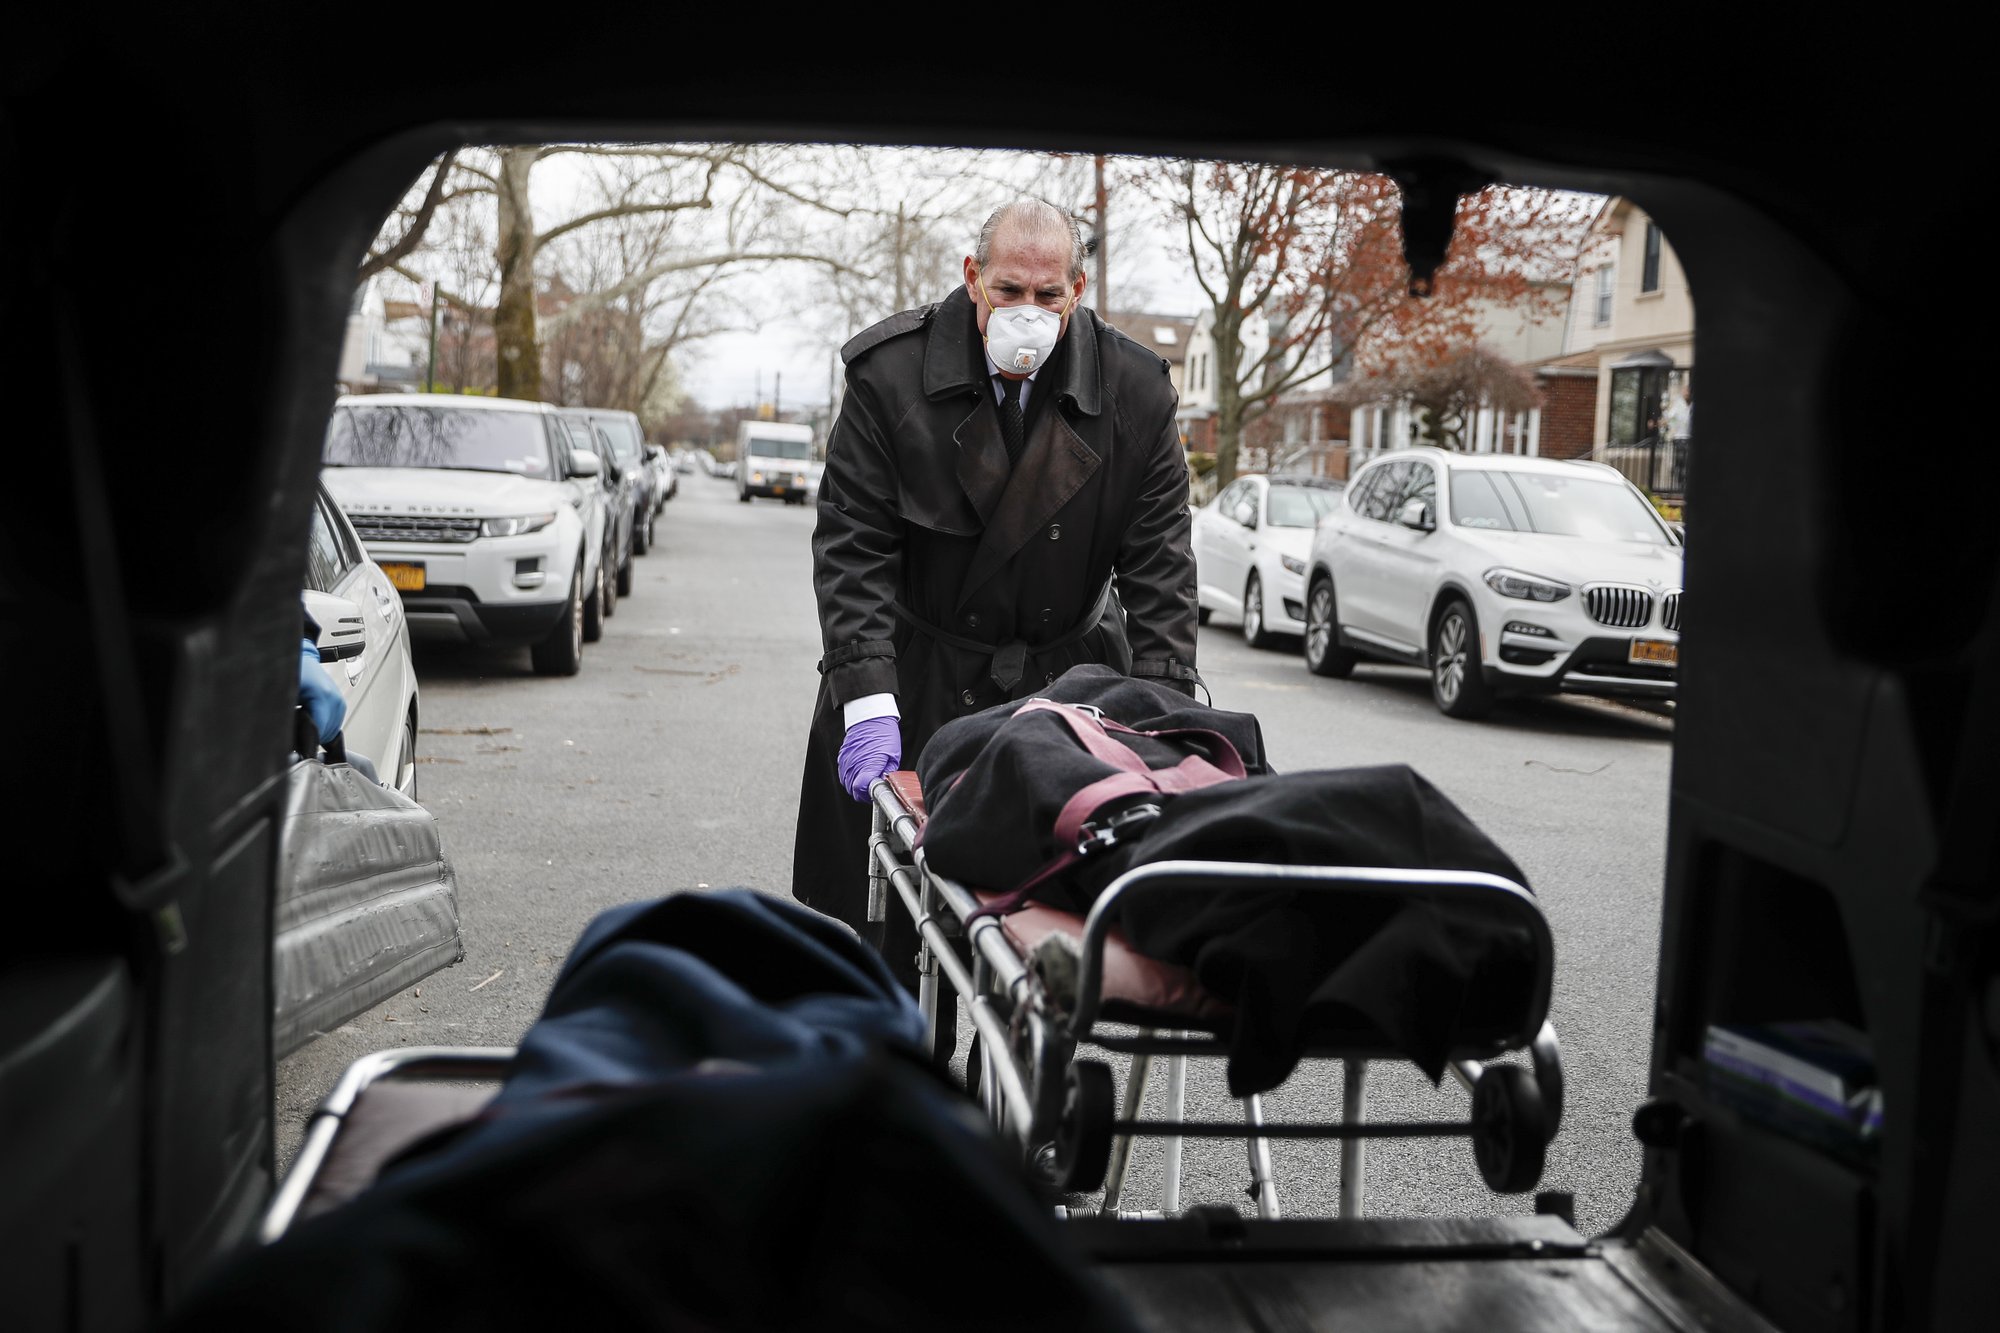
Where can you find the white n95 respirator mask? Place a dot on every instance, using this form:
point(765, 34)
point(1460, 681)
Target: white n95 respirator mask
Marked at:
point(1019, 338)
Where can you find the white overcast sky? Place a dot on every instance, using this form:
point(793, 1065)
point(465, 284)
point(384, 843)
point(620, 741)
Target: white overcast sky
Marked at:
point(732, 369)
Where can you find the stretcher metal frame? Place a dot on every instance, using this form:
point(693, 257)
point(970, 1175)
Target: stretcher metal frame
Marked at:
point(1025, 1072)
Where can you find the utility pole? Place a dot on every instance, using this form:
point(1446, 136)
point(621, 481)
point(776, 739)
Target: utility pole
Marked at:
point(778, 397)
point(431, 370)
point(1103, 244)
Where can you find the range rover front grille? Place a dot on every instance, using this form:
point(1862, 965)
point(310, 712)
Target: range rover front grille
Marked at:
point(1618, 605)
point(1670, 611)
point(414, 528)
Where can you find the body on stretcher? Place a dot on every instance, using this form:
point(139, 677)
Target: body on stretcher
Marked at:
point(1039, 983)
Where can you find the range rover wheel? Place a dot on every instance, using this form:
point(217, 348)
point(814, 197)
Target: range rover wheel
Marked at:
point(642, 533)
point(1458, 682)
point(561, 653)
point(625, 576)
point(1324, 654)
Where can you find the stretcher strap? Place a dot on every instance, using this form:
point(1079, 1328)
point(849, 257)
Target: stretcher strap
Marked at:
point(1134, 778)
point(1095, 734)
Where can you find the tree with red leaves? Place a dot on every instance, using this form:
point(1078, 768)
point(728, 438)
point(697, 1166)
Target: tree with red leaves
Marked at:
point(1317, 255)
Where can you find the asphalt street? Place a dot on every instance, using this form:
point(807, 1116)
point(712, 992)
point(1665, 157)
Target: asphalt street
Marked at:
point(673, 762)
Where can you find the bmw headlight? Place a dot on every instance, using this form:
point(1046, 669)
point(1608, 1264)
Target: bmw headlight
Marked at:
point(1292, 564)
point(517, 524)
point(1528, 587)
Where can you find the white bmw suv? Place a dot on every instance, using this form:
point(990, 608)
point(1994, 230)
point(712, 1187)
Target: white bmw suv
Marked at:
point(1500, 574)
point(478, 511)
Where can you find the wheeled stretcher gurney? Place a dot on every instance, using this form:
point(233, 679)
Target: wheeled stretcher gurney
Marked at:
point(632, 1166)
point(1031, 1012)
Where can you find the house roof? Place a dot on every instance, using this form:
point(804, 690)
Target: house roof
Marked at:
point(1164, 335)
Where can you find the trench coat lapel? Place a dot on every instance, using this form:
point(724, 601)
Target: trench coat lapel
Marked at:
point(1054, 466)
point(982, 458)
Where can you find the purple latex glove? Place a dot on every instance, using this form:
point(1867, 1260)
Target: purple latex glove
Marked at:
point(872, 747)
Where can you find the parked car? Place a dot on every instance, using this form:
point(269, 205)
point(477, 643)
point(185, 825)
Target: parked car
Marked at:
point(666, 481)
point(366, 902)
point(1250, 546)
point(628, 449)
point(364, 641)
point(619, 491)
point(1501, 574)
point(685, 460)
point(473, 508)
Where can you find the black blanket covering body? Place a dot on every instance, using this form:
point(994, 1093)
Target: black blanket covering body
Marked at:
point(722, 1120)
point(1392, 971)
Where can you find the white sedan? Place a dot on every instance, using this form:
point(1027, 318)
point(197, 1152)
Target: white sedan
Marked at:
point(1250, 547)
point(364, 642)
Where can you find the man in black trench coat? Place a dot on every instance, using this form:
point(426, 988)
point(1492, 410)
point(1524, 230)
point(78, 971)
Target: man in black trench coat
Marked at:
point(999, 457)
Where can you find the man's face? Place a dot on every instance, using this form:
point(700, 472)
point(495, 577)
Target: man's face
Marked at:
point(1018, 274)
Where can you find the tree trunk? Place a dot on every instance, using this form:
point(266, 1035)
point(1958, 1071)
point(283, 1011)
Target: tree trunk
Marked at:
point(1229, 409)
point(519, 372)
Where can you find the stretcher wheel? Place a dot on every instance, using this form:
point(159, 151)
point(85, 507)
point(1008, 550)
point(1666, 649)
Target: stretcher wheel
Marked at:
point(1083, 1136)
point(1510, 1129)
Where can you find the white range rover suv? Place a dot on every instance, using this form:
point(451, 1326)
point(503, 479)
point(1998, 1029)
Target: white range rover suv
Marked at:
point(1500, 574)
point(476, 509)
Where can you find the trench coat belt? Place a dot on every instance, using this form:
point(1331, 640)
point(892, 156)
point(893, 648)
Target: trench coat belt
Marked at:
point(1009, 661)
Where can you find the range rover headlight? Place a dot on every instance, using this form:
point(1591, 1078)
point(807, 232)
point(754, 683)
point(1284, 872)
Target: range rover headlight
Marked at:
point(516, 524)
point(757, 477)
point(1528, 587)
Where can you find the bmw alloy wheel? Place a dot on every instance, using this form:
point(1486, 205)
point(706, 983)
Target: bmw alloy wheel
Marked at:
point(1448, 663)
point(1319, 622)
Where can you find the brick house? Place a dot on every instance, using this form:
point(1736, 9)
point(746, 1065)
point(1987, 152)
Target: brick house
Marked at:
point(1629, 344)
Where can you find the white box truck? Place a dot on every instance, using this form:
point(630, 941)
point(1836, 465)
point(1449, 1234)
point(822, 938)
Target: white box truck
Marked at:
point(776, 458)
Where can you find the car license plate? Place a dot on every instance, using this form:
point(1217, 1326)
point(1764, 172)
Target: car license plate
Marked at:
point(777, 490)
point(1657, 652)
point(406, 577)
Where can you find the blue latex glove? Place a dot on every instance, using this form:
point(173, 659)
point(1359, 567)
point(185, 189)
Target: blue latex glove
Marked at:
point(319, 694)
point(872, 747)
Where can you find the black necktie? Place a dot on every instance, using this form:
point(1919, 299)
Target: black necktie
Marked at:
point(1012, 428)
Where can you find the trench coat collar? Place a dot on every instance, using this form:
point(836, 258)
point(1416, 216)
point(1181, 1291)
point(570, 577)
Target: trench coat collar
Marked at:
point(954, 359)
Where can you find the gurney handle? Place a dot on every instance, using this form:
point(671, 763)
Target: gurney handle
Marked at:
point(1226, 875)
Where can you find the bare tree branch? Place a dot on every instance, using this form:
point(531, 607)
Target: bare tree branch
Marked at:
point(414, 234)
point(639, 281)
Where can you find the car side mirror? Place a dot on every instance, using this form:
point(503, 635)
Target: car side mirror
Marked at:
point(1246, 514)
point(582, 463)
point(1417, 514)
point(341, 632)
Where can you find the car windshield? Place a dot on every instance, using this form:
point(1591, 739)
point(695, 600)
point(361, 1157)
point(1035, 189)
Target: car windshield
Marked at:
point(1299, 506)
point(1556, 505)
point(764, 446)
point(623, 436)
point(471, 439)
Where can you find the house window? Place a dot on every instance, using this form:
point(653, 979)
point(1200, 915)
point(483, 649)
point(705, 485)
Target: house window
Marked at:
point(1649, 276)
point(1606, 284)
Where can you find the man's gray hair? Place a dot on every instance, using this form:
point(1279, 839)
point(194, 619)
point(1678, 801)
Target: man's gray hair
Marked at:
point(1035, 221)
